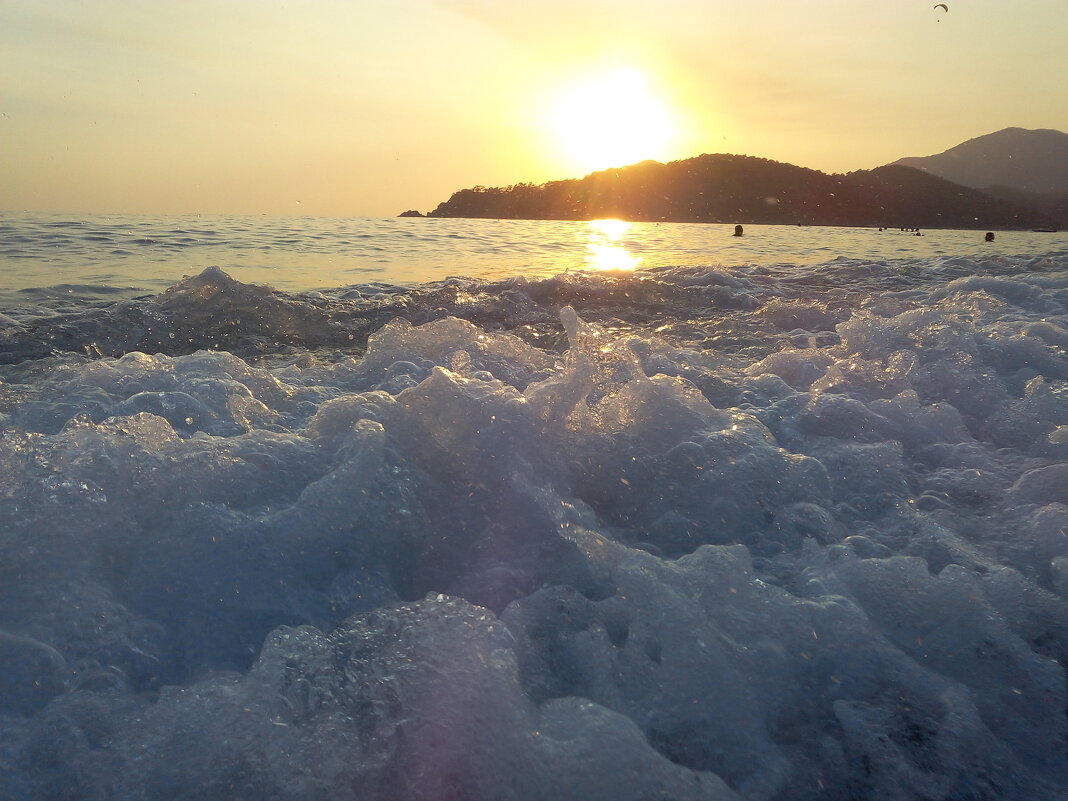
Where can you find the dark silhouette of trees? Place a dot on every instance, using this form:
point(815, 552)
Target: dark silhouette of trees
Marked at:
point(723, 188)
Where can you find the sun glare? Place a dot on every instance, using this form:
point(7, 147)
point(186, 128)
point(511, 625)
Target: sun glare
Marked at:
point(612, 120)
point(605, 249)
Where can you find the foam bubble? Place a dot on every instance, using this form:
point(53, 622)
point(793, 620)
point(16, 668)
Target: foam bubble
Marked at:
point(591, 536)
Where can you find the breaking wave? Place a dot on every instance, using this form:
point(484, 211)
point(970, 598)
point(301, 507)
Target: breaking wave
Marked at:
point(792, 533)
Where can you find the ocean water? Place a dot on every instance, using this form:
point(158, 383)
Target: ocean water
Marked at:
point(112, 257)
point(504, 510)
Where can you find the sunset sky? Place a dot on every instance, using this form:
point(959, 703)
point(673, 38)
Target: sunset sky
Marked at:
point(370, 107)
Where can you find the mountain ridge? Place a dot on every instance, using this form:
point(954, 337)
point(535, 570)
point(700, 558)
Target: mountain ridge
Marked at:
point(727, 188)
point(1018, 159)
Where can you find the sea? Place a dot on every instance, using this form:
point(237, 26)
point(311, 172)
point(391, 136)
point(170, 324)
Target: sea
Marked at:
point(413, 509)
point(117, 256)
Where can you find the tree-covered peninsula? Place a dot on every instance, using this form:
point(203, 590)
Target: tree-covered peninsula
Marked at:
point(724, 188)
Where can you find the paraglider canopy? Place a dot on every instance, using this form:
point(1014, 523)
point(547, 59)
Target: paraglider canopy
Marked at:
point(943, 6)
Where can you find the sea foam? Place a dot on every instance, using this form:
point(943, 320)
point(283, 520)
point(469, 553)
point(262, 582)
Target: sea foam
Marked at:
point(751, 533)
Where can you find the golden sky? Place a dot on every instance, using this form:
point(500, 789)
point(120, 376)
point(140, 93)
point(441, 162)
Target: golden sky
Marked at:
point(370, 107)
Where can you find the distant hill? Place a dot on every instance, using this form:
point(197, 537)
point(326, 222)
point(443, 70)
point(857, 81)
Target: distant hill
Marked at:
point(742, 189)
point(1052, 204)
point(1014, 159)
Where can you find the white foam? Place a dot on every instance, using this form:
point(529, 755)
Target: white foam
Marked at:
point(654, 545)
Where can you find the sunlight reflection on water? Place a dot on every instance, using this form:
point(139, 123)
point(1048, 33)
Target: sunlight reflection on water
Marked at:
point(605, 250)
point(297, 254)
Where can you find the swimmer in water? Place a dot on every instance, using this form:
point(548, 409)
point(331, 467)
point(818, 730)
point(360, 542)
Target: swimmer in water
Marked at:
point(989, 236)
point(738, 231)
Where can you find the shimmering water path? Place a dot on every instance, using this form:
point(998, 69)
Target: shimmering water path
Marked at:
point(48, 256)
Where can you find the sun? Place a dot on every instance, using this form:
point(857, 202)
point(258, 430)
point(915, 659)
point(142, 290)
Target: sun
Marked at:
point(612, 120)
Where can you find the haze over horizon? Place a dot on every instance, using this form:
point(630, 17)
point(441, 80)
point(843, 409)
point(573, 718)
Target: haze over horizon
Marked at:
point(368, 108)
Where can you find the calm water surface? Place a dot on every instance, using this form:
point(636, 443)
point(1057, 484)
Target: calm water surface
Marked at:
point(120, 256)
